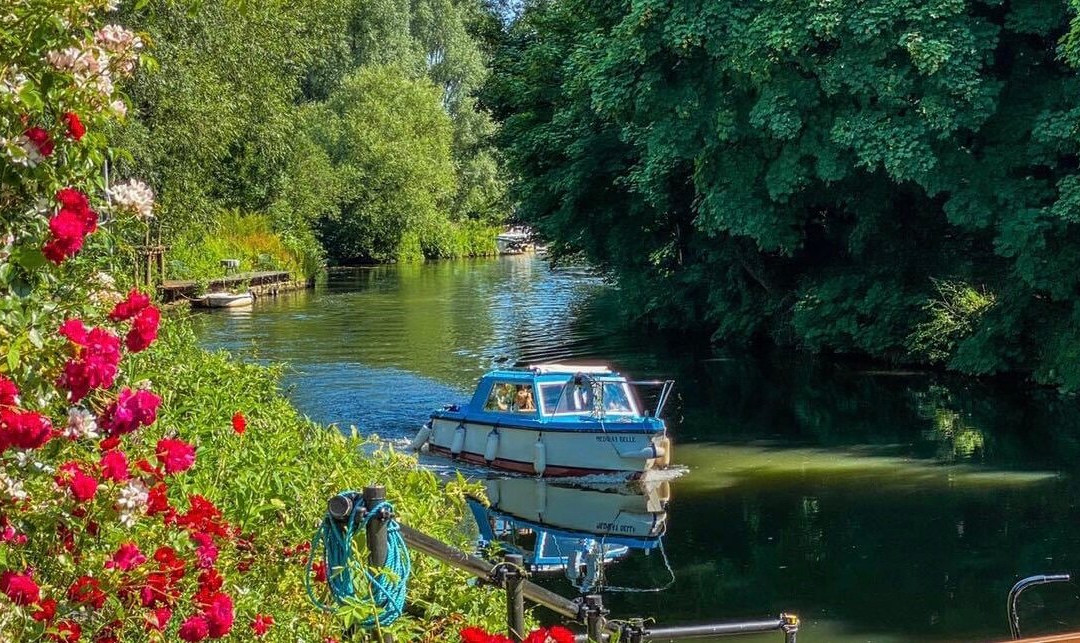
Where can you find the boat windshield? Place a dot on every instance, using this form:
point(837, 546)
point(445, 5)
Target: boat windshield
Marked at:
point(609, 398)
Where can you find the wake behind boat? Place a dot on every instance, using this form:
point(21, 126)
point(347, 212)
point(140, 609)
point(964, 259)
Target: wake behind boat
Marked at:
point(554, 420)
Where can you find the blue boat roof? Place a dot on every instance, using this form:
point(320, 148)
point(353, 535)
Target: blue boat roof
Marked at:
point(553, 372)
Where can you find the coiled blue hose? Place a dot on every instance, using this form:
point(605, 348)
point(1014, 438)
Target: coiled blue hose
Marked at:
point(342, 561)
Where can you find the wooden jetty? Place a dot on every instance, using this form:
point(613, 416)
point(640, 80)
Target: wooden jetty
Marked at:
point(265, 282)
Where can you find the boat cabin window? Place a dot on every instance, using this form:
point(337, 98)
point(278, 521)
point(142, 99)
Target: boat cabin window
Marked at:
point(511, 398)
point(613, 397)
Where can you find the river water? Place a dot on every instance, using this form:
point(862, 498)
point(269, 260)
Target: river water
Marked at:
point(878, 506)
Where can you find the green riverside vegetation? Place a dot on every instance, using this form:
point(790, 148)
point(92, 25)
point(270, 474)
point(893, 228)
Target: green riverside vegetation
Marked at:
point(897, 181)
point(348, 127)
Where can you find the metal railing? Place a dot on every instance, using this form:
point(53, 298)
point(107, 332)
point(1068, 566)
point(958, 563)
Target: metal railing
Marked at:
point(511, 576)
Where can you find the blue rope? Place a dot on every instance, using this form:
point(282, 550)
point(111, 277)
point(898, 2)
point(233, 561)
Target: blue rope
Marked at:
point(388, 587)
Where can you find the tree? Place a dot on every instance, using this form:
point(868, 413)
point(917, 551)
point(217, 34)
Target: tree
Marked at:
point(806, 174)
point(388, 141)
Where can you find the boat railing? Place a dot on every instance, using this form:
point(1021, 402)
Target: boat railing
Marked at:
point(511, 576)
point(665, 392)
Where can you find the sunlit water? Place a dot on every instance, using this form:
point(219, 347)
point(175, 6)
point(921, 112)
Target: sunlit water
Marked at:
point(877, 506)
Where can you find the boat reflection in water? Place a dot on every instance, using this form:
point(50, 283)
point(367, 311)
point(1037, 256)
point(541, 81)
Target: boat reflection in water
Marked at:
point(574, 529)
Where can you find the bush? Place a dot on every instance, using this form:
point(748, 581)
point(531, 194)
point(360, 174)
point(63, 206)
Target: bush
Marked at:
point(249, 238)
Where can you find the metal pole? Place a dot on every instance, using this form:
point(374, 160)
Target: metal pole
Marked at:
point(515, 597)
point(482, 569)
point(376, 527)
point(594, 617)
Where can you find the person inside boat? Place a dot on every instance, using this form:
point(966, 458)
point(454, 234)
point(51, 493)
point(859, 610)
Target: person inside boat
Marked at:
point(523, 399)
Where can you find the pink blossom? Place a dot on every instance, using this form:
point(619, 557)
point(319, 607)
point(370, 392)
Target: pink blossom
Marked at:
point(126, 558)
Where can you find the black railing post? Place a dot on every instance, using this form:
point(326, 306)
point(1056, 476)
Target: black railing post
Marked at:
point(377, 544)
point(790, 627)
point(376, 527)
point(594, 617)
point(515, 596)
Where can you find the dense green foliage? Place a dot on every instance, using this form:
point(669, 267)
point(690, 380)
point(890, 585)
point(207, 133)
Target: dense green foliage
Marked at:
point(812, 173)
point(274, 481)
point(230, 122)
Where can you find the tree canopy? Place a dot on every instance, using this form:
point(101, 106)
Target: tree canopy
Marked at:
point(227, 122)
point(897, 180)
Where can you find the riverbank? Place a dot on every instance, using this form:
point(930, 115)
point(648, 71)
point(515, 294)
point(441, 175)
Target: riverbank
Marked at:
point(272, 483)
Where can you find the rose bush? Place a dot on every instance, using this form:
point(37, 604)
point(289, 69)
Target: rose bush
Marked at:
point(149, 490)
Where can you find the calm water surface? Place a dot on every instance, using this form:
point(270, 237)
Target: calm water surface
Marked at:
point(877, 506)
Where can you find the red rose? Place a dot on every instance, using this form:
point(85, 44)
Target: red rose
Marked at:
point(132, 305)
point(114, 466)
point(194, 629)
point(219, 615)
point(41, 140)
point(261, 624)
point(144, 329)
point(67, 632)
point(157, 501)
point(176, 455)
point(158, 619)
point(23, 429)
point(9, 393)
point(131, 410)
point(126, 558)
point(20, 588)
point(239, 423)
point(75, 128)
point(45, 612)
point(205, 550)
point(86, 590)
point(83, 487)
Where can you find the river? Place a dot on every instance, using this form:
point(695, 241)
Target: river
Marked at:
point(878, 506)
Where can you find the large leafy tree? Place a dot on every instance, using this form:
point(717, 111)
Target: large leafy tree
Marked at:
point(896, 180)
point(388, 143)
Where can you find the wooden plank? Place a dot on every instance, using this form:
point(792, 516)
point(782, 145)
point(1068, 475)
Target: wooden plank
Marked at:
point(255, 278)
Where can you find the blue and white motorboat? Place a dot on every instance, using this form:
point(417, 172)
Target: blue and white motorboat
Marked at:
point(557, 527)
point(554, 420)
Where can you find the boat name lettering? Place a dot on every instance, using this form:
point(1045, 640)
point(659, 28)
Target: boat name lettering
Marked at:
point(616, 438)
point(611, 526)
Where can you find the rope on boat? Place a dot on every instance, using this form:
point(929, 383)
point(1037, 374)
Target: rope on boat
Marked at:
point(384, 590)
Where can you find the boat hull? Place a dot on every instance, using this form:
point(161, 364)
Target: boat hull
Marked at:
point(563, 454)
point(592, 512)
point(216, 300)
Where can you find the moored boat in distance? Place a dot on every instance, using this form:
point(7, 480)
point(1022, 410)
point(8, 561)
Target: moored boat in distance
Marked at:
point(554, 420)
point(515, 240)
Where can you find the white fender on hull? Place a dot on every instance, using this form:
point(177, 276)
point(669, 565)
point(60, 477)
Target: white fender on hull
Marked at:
point(422, 436)
point(459, 440)
point(539, 457)
point(491, 449)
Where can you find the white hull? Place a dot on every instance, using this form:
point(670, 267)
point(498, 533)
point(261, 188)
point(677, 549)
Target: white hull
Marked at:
point(562, 453)
point(589, 511)
point(226, 300)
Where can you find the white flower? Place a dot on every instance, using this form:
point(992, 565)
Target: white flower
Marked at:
point(81, 424)
point(21, 151)
point(65, 60)
point(144, 385)
point(12, 488)
point(136, 196)
point(119, 108)
point(13, 81)
point(118, 40)
point(132, 501)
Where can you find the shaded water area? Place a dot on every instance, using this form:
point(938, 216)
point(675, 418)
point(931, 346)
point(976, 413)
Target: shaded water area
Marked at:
point(878, 506)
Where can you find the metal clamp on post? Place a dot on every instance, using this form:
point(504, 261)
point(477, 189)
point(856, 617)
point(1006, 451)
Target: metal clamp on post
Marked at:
point(341, 506)
point(633, 631)
point(790, 628)
point(595, 617)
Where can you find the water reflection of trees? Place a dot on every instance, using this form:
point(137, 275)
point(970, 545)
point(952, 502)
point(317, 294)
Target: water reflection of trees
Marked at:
point(799, 400)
